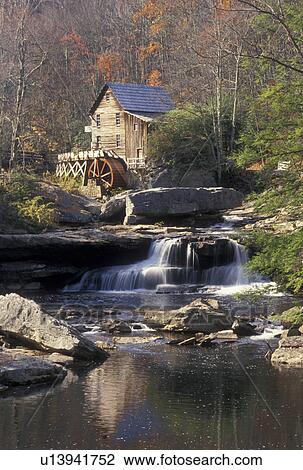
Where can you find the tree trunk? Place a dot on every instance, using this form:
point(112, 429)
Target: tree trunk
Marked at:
point(19, 94)
point(218, 102)
point(235, 102)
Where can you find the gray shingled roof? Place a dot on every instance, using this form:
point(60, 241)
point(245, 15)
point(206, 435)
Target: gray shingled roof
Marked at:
point(136, 97)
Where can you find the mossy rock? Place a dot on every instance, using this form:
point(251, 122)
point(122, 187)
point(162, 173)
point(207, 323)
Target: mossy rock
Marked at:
point(289, 318)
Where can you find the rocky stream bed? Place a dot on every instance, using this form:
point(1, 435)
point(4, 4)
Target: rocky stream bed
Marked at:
point(133, 296)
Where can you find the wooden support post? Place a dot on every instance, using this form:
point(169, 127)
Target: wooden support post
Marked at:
point(85, 174)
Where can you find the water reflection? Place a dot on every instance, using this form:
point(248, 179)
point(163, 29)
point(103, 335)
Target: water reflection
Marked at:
point(164, 397)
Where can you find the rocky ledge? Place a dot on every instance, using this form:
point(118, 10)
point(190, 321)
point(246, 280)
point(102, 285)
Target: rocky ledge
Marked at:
point(35, 348)
point(28, 260)
point(23, 322)
point(19, 369)
point(156, 204)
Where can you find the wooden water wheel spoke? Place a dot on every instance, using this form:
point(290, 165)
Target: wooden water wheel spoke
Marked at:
point(105, 167)
point(93, 171)
point(105, 174)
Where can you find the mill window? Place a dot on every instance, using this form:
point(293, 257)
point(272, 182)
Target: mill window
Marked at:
point(118, 119)
point(118, 140)
point(98, 121)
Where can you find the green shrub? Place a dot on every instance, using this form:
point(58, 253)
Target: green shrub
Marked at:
point(35, 212)
point(292, 317)
point(69, 184)
point(22, 204)
point(285, 192)
point(184, 139)
point(279, 257)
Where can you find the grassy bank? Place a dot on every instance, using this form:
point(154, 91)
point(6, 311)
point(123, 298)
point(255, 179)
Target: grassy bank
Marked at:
point(23, 206)
point(279, 257)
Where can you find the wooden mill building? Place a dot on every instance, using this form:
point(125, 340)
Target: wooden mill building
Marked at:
point(120, 119)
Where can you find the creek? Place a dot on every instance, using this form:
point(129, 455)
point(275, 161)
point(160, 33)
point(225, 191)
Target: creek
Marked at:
point(153, 395)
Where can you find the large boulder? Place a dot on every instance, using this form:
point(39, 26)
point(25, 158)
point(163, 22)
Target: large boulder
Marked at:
point(74, 209)
point(199, 316)
point(27, 324)
point(18, 369)
point(114, 209)
point(156, 203)
point(289, 353)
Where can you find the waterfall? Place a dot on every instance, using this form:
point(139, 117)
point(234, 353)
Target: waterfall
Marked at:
point(171, 261)
point(230, 274)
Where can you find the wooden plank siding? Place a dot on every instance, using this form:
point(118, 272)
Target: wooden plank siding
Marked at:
point(132, 131)
point(108, 128)
point(136, 142)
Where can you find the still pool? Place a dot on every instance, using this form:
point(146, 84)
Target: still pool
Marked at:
point(163, 397)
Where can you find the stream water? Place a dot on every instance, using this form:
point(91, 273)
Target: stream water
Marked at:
point(156, 396)
point(161, 397)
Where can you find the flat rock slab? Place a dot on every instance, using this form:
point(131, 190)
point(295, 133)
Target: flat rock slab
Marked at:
point(23, 370)
point(76, 246)
point(136, 339)
point(26, 322)
point(166, 202)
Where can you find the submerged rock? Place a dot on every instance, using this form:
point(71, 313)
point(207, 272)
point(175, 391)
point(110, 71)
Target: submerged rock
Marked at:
point(166, 202)
point(3, 388)
point(242, 327)
point(117, 327)
point(105, 345)
point(27, 324)
point(19, 369)
point(136, 339)
point(227, 335)
point(289, 353)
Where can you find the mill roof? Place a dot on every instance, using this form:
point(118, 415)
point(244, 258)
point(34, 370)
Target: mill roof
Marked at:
point(136, 97)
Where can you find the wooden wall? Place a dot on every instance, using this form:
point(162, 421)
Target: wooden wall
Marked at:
point(132, 131)
point(136, 141)
point(108, 129)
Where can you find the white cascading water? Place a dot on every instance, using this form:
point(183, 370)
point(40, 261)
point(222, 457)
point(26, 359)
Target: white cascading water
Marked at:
point(232, 274)
point(171, 261)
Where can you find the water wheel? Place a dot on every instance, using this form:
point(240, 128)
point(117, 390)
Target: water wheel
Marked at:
point(108, 172)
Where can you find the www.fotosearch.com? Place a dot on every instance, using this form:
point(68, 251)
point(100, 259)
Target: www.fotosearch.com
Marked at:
point(161, 459)
point(180, 461)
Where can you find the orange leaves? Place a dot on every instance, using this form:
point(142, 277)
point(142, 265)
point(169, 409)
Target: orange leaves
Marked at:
point(158, 27)
point(224, 4)
point(151, 10)
point(154, 78)
point(148, 50)
point(75, 42)
point(109, 64)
